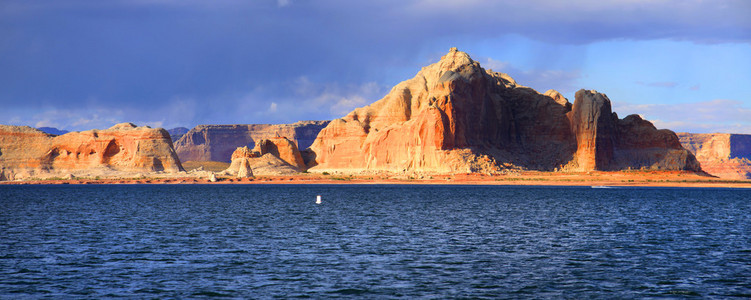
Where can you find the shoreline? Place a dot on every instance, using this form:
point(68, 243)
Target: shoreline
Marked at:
point(528, 178)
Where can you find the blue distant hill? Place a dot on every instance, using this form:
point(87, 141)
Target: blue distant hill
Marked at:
point(177, 133)
point(53, 130)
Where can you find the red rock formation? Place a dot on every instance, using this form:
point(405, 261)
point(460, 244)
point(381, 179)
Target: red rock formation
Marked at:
point(217, 142)
point(721, 154)
point(734, 168)
point(282, 148)
point(593, 125)
point(605, 142)
point(246, 163)
point(21, 150)
point(454, 116)
point(241, 161)
point(244, 152)
point(124, 147)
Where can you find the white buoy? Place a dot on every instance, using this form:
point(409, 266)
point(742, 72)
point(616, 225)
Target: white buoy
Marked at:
point(318, 199)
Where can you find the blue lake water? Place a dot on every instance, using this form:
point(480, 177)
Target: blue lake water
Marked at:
point(373, 241)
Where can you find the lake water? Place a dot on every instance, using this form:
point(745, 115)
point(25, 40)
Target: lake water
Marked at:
point(373, 241)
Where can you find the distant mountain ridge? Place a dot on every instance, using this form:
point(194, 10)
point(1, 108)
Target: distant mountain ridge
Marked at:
point(177, 132)
point(53, 130)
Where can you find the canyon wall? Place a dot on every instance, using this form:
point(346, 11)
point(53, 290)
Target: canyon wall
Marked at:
point(217, 142)
point(455, 116)
point(282, 148)
point(721, 154)
point(249, 163)
point(27, 152)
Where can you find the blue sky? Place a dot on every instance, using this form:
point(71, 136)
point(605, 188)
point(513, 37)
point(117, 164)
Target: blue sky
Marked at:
point(78, 65)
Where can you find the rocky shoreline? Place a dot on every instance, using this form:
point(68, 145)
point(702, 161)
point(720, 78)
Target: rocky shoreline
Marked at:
point(530, 178)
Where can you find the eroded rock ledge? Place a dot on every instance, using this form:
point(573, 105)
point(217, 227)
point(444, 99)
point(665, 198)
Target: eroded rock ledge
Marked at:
point(217, 142)
point(721, 154)
point(27, 152)
point(455, 116)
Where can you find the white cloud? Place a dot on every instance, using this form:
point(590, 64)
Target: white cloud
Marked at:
point(719, 115)
point(273, 107)
point(347, 104)
point(44, 123)
point(176, 111)
point(283, 3)
point(539, 79)
point(338, 98)
point(75, 119)
point(496, 65)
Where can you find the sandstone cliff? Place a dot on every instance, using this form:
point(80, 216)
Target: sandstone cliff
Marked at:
point(455, 116)
point(721, 154)
point(27, 152)
point(282, 148)
point(247, 163)
point(605, 142)
point(241, 160)
point(217, 142)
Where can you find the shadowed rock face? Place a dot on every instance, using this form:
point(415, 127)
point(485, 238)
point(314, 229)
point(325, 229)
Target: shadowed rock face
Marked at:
point(282, 148)
point(593, 125)
point(240, 165)
point(124, 147)
point(454, 116)
point(605, 142)
point(247, 163)
point(721, 154)
point(217, 142)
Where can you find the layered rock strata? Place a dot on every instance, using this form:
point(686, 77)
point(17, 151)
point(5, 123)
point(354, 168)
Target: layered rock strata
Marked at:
point(217, 142)
point(247, 163)
point(605, 142)
point(282, 148)
point(241, 160)
point(455, 116)
point(721, 154)
point(26, 152)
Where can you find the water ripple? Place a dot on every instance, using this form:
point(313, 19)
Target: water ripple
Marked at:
point(213, 241)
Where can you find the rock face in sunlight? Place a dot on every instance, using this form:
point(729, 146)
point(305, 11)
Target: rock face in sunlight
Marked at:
point(217, 142)
point(454, 116)
point(721, 154)
point(240, 165)
point(282, 148)
point(605, 142)
point(25, 152)
point(593, 126)
point(247, 163)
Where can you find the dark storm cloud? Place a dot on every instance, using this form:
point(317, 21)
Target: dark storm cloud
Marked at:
point(189, 62)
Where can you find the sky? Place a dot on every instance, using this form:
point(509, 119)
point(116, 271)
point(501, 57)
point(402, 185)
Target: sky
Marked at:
point(685, 65)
